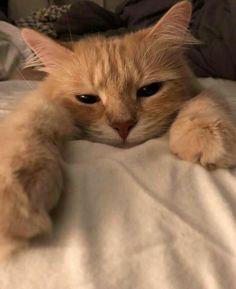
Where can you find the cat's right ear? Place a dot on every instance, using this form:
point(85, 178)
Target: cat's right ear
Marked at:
point(172, 28)
point(47, 51)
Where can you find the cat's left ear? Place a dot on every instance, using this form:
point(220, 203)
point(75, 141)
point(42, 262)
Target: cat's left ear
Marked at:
point(47, 51)
point(173, 26)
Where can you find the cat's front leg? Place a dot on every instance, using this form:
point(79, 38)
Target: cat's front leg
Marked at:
point(31, 177)
point(204, 132)
point(30, 186)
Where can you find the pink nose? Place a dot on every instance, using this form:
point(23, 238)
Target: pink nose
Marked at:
point(123, 128)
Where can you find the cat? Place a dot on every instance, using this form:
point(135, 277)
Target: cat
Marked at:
point(118, 90)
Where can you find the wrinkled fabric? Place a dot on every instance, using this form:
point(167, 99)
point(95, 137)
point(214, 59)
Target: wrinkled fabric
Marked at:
point(12, 49)
point(214, 23)
point(86, 17)
point(134, 218)
point(3, 17)
point(44, 20)
point(142, 13)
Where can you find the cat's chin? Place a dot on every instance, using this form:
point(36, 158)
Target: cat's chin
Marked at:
point(119, 143)
point(125, 145)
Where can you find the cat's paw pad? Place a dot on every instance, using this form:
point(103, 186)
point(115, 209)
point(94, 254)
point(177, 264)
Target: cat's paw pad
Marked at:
point(213, 145)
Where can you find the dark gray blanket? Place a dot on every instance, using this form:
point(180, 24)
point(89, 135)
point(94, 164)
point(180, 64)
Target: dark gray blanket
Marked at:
point(214, 22)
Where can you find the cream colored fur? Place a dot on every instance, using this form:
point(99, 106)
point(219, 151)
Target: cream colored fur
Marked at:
point(204, 132)
point(31, 178)
point(114, 69)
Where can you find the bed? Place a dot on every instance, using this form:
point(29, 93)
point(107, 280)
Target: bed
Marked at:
point(132, 218)
point(135, 218)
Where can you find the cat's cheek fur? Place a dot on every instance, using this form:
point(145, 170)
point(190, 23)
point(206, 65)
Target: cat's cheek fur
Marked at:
point(204, 132)
point(82, 114)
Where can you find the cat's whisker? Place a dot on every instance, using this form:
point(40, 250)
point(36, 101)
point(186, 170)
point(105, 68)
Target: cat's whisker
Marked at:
point(69, 29)
point(18, 70)
point(21, 66)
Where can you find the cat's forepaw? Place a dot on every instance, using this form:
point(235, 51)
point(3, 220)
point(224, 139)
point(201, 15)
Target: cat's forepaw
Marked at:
point(30, 188)
point(205, 136)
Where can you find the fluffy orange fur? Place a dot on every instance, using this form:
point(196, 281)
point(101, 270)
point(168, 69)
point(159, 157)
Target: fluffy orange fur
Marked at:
point(112, 69)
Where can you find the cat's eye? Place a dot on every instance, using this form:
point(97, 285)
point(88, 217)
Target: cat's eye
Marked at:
point(149, 89)
point(88, 98)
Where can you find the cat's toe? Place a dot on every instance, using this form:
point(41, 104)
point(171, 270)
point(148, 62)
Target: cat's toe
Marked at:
point(211, 166)
point(212, 148)
point(225, 160)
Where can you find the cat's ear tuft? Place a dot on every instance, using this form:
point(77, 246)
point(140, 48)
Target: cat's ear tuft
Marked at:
point(173, 26)
point(47, 52)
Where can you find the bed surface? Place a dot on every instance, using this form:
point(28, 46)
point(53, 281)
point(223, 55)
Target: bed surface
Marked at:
point(134, 219)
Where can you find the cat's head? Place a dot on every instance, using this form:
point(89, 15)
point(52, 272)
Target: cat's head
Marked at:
point(124, 89)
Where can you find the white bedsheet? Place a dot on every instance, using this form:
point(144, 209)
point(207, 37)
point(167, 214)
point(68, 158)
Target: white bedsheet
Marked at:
point(135, 219)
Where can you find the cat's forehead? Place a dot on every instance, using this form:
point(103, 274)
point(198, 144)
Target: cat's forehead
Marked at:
point(109, 49)
point(109, 61)
point(120, 61)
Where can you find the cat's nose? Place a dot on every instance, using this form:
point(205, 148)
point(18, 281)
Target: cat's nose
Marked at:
point(123, 128)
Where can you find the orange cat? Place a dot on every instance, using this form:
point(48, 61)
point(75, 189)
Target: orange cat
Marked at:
point(119, 90)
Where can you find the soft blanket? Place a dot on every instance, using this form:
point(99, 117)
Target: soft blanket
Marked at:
point(135, 218)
